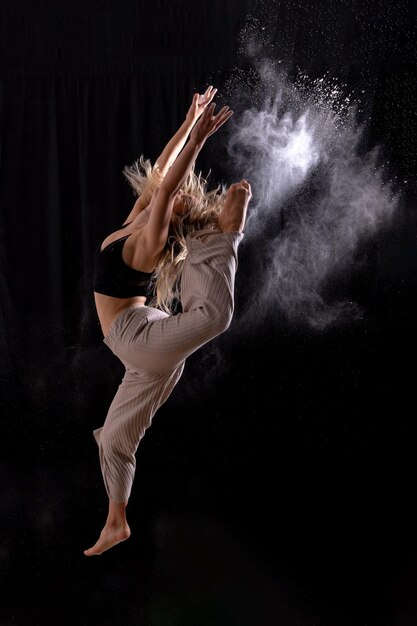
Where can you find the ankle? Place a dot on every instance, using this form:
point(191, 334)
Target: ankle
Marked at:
point(116, 522)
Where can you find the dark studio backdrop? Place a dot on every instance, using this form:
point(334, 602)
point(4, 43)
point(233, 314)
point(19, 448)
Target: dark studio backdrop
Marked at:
point(277, 484)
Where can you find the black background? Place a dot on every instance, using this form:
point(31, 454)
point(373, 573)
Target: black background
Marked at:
point(277, 490)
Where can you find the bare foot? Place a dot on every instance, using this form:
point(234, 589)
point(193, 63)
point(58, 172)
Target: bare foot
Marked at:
point(109, 537)
point(233, 214)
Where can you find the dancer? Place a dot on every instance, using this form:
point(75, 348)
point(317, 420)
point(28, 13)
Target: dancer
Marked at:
point(177, 250)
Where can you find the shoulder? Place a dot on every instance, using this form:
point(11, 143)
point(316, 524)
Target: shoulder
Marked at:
point(138, 253)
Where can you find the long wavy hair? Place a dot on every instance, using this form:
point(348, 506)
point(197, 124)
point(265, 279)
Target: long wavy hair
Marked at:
point(201, 210)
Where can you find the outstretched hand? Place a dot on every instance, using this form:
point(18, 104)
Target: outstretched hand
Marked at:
point(200, 102)
point(209, 123)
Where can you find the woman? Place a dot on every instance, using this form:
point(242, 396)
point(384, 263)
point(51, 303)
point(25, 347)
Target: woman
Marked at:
point(179, 242)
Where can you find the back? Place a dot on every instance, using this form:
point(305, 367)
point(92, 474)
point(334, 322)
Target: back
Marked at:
point(113, 277)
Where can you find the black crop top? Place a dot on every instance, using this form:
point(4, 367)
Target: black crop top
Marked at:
point(112, 277)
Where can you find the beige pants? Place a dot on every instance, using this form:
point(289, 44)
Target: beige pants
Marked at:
point(153, 346)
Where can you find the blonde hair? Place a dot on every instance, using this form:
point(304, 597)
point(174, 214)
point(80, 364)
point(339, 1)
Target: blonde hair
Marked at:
point(143, 177)
point(201, 210)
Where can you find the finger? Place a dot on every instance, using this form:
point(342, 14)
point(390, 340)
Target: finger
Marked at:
point(223, 118)
point(221, 121)
point(208, 111)
point(211, 95)
point(225, 108)
point(222, 112)
point(206, 94)
point(205, 116)
point(205, 97)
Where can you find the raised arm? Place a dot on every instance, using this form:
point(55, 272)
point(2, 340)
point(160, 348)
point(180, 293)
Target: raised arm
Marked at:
point(177, 142)
point(174, 146)
point(156, 231)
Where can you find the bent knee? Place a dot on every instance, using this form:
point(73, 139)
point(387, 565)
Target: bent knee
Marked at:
point(115, 448)
point(217, 321)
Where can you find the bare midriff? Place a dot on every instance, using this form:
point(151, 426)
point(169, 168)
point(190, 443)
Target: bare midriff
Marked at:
point(108, 308)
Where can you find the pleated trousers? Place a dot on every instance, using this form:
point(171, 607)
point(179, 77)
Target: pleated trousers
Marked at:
point(153, 346)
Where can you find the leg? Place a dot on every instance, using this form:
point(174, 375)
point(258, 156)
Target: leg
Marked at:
point(137, 399)
point(130, 413)
point(207, 298)
point(153, 351)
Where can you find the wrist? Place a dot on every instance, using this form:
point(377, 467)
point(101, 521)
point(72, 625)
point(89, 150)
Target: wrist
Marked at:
point(190, 120)
point(197, 143)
